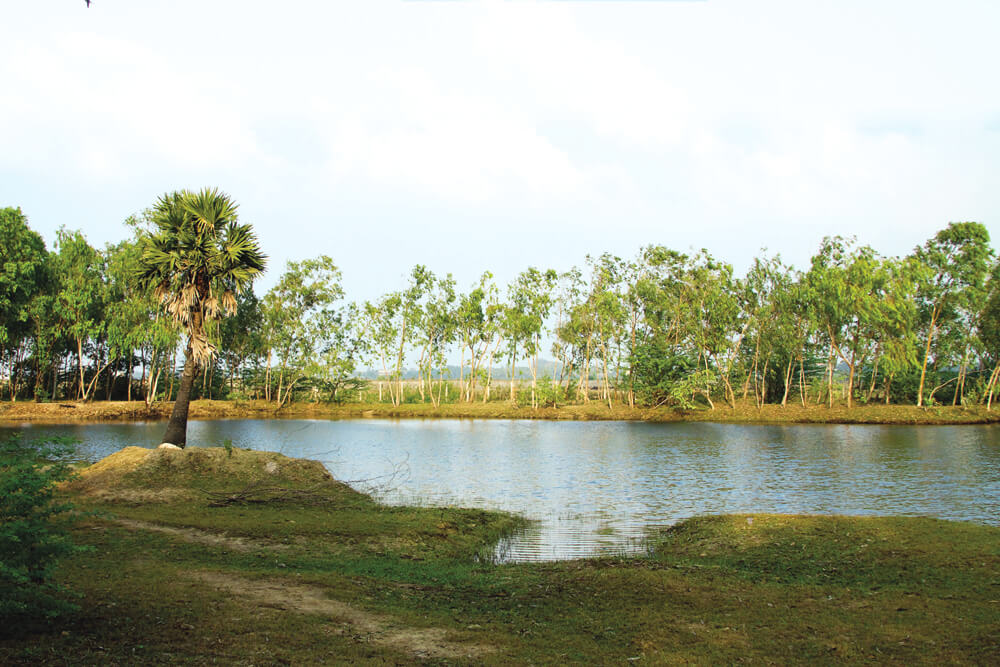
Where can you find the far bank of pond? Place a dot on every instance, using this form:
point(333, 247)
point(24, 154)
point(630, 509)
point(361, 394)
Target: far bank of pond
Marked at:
point(744, 413)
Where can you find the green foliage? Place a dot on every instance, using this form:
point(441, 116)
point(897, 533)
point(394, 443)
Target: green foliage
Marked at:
point(549, 394)
point(30, 543)
point(662, 375)
point(950, 272)
point(307, 328)
point(79, 297)
point(22, 272)
point(662, 327)
point(198, 259)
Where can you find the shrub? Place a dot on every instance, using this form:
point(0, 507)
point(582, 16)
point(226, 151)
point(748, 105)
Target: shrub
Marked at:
point(30, 543)
point(547, 393)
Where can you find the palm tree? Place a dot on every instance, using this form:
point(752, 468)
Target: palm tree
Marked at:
point(196, 260)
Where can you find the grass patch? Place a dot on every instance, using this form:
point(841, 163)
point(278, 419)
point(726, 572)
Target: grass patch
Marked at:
point(334, 577)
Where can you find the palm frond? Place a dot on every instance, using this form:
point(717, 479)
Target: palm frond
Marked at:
point(199, 248)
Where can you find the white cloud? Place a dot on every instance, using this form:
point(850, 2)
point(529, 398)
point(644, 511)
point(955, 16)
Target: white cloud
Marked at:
point(139, 104)
point(701, 124)
point(570, 73)
point(447, 143)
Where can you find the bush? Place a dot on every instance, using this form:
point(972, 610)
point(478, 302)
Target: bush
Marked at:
point(547, 393)
point(30, 544)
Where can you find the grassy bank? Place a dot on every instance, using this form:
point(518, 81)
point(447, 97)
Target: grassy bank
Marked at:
point(744, 413)
point(254, 558)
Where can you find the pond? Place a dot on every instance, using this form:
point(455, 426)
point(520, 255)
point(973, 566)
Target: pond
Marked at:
point(598, 487)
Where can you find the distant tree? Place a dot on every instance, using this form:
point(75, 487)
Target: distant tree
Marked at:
point(529, 301)
point(23, 275)
point(437, 328)
point(300, 308)
point(79, 298)
point(478, 317)
point(952, 268)
point(713, 321)
point(241, 336)
point(197, 259)
point(134, 320)
point(847, 285)
point(382, 329)
point(989, 333)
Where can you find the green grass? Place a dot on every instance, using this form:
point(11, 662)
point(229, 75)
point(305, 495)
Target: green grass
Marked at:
point(725, 589)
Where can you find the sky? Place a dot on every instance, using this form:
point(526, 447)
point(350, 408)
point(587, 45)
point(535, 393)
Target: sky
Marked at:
point(472, 136)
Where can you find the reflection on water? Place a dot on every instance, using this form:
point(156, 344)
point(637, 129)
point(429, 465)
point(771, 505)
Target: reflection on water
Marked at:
point(598, 487)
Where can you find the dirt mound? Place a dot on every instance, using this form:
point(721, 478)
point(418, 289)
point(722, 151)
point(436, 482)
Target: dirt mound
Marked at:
point(140, 474)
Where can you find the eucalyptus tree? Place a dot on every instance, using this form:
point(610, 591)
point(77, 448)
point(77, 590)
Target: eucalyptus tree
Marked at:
point(477, 316)
point(952, 267)
point(129, 309)
point(766, 279)
point(301, 310)
point(566, 347)
point(241, 338)
point(848, 285)
point(135, 325)
point(607, 312)
point(437, 328)
point(198, 257)
point(409, 316)
point(24, 274)
point(791, 329)
point(989, 333)
point(488, 339)
point(379, 328)
point(79, 298)
point(470, 317)
point(660, 356)
point(390, 325)
point(333, 371)
point(529, 299)
point(897, 347)
point(714, 322)
point(635, 274)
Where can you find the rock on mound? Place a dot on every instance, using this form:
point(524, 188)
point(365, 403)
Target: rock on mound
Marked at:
point(163, 473)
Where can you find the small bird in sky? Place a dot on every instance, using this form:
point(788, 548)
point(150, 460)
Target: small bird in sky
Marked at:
point(88, 2)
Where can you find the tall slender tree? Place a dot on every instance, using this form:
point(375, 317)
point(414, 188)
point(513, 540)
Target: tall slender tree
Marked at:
point(196, 260)
point(955, 263)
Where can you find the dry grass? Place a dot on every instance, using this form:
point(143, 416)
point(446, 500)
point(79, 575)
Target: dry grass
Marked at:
point(594, 410)
point(137, 474)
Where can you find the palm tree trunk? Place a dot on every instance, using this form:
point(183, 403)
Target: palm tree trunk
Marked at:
point(177, 426)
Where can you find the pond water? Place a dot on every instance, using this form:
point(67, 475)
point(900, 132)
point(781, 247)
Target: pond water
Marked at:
point(598, 487)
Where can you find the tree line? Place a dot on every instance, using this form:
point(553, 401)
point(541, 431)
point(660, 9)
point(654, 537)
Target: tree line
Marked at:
point(661, 328)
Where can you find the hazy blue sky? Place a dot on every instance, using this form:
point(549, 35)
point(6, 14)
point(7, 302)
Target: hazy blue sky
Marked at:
point(467, 135)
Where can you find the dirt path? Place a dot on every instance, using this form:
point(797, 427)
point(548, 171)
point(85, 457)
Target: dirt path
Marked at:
point(366, 626)
point(241, 544)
